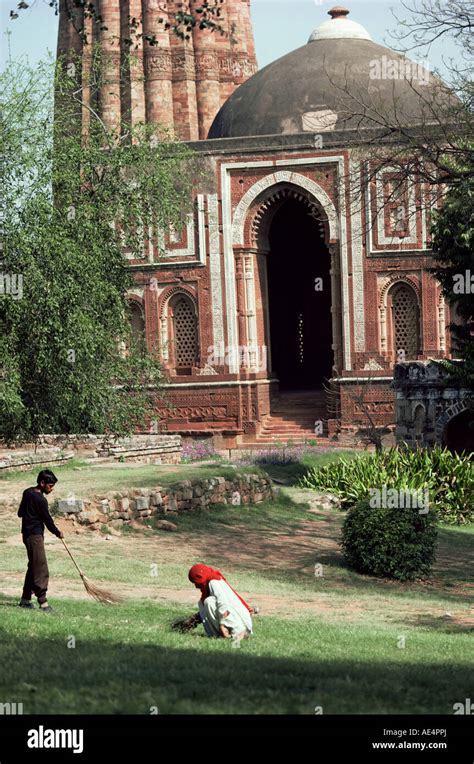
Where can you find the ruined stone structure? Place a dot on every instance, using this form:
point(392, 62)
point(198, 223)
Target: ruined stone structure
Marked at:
point(432, 409)
point(293, 268)
point(118, 509)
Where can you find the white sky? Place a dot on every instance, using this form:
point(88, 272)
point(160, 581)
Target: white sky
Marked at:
point(279, 25)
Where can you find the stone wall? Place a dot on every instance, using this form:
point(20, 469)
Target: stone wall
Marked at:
point(427, 402)
point(118, 509)
point(12, 460)
point(53, 449)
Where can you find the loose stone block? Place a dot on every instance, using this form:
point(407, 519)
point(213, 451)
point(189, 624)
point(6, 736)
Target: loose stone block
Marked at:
point(69, 506)
point(165, 525)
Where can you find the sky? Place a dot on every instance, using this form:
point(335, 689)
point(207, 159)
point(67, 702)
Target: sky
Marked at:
point(279, 27)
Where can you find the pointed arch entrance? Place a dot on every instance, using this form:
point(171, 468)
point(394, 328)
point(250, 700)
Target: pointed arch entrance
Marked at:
point(295, 273)
point(299, 295)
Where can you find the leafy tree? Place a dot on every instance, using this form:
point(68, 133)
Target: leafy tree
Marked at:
point(453, 250)
point(69, 361)
point(188, 15)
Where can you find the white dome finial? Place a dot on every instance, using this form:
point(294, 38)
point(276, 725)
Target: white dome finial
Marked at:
point(339, 27)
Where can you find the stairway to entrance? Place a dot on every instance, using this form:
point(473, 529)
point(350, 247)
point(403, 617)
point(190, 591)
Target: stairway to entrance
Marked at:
point(293, 416)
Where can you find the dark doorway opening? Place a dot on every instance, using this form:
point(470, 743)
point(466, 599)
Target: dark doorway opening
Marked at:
point(459, 434)
point(299, 294)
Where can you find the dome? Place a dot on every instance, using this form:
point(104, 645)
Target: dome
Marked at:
point(335, 30)
point(322, 86)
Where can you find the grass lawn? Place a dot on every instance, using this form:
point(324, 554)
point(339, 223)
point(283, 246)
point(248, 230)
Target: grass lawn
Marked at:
point(84, 479)
point(345, 642)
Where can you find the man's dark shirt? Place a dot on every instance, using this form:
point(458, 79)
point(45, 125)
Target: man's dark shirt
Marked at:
point(35, 515)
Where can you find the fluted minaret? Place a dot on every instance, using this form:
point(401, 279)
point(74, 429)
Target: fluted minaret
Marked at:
point(178, 84)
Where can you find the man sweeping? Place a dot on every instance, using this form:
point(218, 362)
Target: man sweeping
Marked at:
point(35, 515)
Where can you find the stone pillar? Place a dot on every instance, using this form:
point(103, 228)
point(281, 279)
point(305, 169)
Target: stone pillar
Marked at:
point(241, 307)
point(251, 348)
point(70, 51)
point(427, 318)
point(109, 87)
point(336, 315)
point(151, 317)
point(136, 85)
point(383, 328)
point(238, 61)
point(158, 67)
point(207, 75)
point(442, 325)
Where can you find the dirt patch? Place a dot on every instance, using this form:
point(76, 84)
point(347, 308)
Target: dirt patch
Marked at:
point(283, 551)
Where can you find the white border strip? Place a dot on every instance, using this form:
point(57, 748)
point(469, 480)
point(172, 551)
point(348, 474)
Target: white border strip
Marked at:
point(215, 270)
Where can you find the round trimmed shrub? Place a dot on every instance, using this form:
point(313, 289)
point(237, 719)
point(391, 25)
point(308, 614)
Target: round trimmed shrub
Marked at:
point(389, 543)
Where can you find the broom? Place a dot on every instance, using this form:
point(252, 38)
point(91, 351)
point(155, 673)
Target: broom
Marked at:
point(101, 595)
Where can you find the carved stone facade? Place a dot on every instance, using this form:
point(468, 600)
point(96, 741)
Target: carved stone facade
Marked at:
point(431, 409)
point(221, 263)
point(177, 84)
point(292, 270)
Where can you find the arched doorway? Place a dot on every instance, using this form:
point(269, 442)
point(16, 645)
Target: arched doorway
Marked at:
point(299, 297)
point(459, 433)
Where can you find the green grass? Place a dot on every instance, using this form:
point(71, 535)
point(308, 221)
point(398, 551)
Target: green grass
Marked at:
point(83, 479)
point(330, 641)
point(126, 660)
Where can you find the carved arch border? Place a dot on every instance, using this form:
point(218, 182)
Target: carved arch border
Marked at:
point(393, 280)
point(283, 176)
point(171, 291)
point(166, 296)
point(261, 214)
point(451, 412)
point(399, 278)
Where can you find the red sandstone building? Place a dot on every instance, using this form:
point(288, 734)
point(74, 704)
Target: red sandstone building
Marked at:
point(294, 269)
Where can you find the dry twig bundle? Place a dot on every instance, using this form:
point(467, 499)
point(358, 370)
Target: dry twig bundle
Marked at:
point(101, 595)
point(186, 624)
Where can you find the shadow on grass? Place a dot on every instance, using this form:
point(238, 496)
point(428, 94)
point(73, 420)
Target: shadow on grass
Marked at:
point(199, 676)
point(455, 555)
point(292, 472)
point(277, 540)
point(443, 624)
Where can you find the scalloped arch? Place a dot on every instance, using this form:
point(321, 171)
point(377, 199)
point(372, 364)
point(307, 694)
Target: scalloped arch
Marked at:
point(296, 180)
point(398, 279)
point(171, 292)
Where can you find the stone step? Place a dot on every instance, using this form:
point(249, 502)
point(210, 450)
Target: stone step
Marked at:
point(286, 430)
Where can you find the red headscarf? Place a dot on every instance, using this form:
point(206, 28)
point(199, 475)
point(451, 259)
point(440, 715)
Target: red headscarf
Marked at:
point(202, 574)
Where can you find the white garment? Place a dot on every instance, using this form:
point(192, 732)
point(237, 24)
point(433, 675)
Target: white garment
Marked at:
point(221, 600)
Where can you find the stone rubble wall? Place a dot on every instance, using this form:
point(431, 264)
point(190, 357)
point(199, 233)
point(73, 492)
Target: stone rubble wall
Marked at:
point(12, 460)
point(57, 449)
point(118, 509)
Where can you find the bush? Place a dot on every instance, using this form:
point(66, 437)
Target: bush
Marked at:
point(389, 543)
point(448, 478)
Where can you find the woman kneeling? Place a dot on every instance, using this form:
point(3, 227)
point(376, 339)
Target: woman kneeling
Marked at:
point(223, 612)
